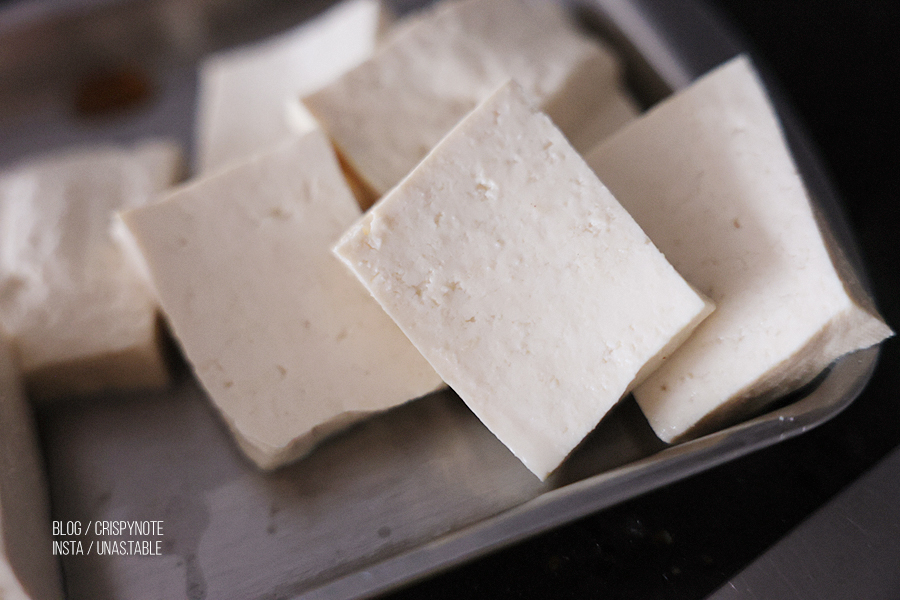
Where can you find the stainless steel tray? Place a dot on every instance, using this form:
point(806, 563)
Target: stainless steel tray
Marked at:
point(399, 496)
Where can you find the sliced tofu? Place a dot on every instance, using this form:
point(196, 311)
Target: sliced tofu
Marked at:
point(83, 318)
point(28, 569)
point(248, 97)
point(287, 344)
point(707, 174)
point(387, 113)
point(520, 278)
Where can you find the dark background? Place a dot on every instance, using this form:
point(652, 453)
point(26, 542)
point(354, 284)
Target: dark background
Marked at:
point(838, 64)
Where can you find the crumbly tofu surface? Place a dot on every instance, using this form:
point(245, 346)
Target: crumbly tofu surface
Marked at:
point(249, 97)
point(387, 113)
point(285, 341)
point(526, 285)
point(707, 174)
point(83, 318)
point(28, 569)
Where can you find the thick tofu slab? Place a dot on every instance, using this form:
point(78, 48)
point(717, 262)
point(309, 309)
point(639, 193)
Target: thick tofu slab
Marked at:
point(521, 279)
point(83, 318)
point(386, 114)
point(287, 344)
point(28, 569)
point(708, 176)
point(249, 97)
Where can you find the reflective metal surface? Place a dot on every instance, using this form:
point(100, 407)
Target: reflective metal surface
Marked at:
point(850, 548)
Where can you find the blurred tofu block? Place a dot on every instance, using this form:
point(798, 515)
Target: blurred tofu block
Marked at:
point(28, 569)
point(286, 342)
point(81, 314)
point(520, 278)
point(386, 114)
point(708, 175)
point(249, 98)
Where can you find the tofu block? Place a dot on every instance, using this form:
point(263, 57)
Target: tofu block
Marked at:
point(287, 344)
point(708, 175)
point(249, 97)
point(520, 278)
point(83, 318)
point(388, 112)
point(28, 569)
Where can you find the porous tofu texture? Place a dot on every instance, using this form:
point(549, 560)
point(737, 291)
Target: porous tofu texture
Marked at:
point(708, 175)
point(519, 277)
point(249, 97)
point(387, 113)
point(28, 570)
point(79, 311)
point(287, 344)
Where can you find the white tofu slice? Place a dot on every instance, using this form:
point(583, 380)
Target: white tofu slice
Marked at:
point(520, 278)
point(82, 317)
point(28, 569)
point(248, 98)
point(707, 174)
point(287, 344)
point(387, 113)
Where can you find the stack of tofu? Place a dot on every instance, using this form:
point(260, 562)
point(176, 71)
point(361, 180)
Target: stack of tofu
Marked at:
point(286, 341)
point(469, 197)
point(78, 317)
point(515, 189)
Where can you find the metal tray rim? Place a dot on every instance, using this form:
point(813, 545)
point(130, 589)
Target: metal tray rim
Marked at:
point(844, 382)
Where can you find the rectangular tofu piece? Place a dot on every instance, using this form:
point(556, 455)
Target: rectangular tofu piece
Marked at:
point(285, 341)
point(28, 569)
point(520, 278)
point(82, 316)
point(708, 175)
point(387, 113)
point(249, 97)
